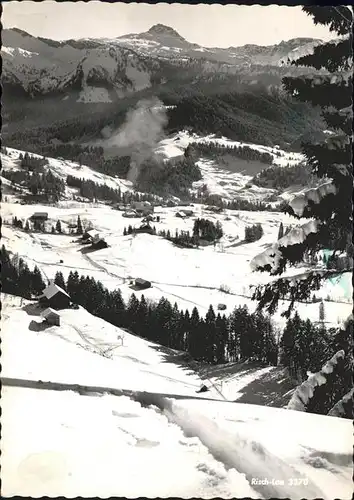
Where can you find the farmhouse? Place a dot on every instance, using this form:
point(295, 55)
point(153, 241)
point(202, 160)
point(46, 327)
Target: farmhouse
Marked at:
point(144, 228)
point(143, 207)
point(51, 316)
point(184, 213)
point(142, 284)
point(188, 213)
point(148, 218)
point(55, 297)
point(120, 207)
point(39, 217)
point(99, 243)
point(215, 209)
point(130, 214)
point(92, 236)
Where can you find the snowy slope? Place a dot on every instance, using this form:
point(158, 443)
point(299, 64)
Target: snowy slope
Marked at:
point(176, 144)
point(101, 445)
point(215, 175)
point(63, 168)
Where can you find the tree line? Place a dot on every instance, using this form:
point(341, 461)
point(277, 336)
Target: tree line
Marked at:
point(17, 278)
point(214, 338)
point(94, 191)
point(32, 163)
point(215, 149)
point(203, 196)
point(169, 178)
point(46, 184)
point(256, 117)
point(277, 177)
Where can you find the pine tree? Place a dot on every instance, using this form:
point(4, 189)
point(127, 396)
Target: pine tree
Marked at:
point(59, 280)
point(37, 283)
point(210, 335)
point(72, 286)
point(117, 311)
point(221, 337)
point(332, 212)
point(58, 226)
point(79, 225)
point(27, 226)
point(322, 312)
point(281, 231)
point(142, 317)
point(194, 344)
point(132, 311)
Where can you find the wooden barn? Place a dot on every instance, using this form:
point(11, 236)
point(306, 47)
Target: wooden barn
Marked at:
point(55, 297)
point(91, 236)
point(99, 243)
point(184, 213)
point(142, 284)
point(39, 216)
point(143, 207)
point(51, 316)
point(188, 212)
point(144, 228)
point(131, 214)
point(38, 219)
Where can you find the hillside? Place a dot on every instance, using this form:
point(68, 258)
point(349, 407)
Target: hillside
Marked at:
point(45, 432)
point(56, 90)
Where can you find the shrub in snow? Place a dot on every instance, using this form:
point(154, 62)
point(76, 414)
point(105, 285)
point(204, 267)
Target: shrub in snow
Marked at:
point(343, 407)
point(326, 392)
point(253, 233)
point(225, 288)
point(305, 391)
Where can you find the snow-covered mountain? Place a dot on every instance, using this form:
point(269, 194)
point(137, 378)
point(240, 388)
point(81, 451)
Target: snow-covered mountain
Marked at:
point(103, 70)
point(162, 40)
point(40, 67)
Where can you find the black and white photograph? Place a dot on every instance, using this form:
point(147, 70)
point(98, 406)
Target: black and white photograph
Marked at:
point(177, 250)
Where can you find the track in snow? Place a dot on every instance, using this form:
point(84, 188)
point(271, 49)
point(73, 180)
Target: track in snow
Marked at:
point(236, 451)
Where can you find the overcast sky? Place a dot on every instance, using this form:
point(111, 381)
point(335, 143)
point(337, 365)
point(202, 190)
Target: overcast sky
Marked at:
point(207, 25)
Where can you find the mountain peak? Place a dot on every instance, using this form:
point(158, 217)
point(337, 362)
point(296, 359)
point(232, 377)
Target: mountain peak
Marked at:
point(162, 29)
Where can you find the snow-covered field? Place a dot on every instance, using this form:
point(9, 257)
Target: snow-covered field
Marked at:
point(190, 277)
point(63, 443)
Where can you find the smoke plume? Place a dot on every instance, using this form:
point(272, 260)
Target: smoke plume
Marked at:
point(142, 130)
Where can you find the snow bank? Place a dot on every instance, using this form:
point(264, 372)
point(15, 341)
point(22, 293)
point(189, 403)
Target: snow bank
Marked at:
point(300, 201)
point(272, 255)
